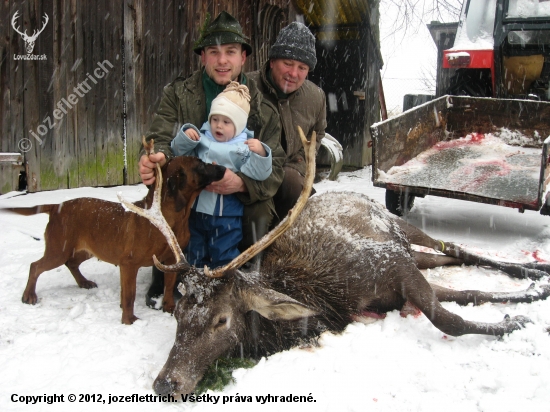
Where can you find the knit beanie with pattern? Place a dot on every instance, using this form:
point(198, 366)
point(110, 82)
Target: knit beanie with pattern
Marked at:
point(233, 102)
point(295, 42)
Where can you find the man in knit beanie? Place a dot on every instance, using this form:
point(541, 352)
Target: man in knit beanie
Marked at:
point(283, 82)
point(215, 222)
point(223, 50)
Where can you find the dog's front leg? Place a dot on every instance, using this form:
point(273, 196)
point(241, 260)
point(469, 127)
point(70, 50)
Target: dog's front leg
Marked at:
point(128, 276)
point(168, 304)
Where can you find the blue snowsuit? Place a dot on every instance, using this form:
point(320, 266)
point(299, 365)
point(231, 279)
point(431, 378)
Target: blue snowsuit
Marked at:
point(215, 222)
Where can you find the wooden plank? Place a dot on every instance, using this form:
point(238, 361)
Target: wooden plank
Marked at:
point(16, 158)
point(5, 57)
point(92, 31)
point(134, 62)
point(70, 144)
point(9, 172)
point(51, 162)
point(84, 144)
point(61, 146)
point(30, 104)
point(110, 61)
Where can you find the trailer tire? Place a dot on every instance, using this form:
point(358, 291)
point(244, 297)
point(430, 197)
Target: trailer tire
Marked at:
point(471, 82)
point(399, 203)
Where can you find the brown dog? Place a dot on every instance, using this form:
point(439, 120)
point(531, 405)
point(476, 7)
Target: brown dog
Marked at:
point(81, 228)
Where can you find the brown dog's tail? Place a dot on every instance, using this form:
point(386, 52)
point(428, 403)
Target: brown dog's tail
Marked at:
point(29, 211)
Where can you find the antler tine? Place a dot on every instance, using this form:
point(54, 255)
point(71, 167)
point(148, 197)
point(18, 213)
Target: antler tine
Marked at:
point(13, 20)
point(155, 216)
point(37, 32)
point(286, 223)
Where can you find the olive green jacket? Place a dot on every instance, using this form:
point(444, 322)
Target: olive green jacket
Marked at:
point(184, 101)
point(306, 107)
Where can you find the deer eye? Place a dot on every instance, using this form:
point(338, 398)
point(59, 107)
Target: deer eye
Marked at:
point(222, 321)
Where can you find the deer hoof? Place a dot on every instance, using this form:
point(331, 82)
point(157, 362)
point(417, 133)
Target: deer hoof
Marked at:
point(515, 323)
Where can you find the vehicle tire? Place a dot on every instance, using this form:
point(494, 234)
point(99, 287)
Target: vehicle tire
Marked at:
point(471, 82)
point(399, 203)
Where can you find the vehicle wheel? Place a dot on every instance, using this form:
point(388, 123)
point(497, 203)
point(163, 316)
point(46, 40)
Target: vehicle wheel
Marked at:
point(399, 203)
point(471, 82)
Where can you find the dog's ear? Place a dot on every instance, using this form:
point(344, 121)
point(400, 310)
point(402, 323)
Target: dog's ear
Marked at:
point(175, 185)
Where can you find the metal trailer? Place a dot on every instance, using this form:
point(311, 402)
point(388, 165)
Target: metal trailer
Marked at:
point(434, 135)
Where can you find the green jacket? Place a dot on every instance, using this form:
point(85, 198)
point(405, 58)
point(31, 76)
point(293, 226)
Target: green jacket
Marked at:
point(183, 101)
point(306, 107)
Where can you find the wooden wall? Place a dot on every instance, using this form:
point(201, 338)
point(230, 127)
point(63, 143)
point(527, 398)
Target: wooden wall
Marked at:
point(111, 59)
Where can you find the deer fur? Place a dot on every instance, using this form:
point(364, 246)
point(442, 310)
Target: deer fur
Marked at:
point(344, 255)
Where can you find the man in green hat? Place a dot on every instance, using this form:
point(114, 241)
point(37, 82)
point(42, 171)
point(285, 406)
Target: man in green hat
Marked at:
point(223, 49)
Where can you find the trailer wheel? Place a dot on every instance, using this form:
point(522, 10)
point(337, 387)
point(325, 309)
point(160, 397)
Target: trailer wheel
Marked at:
point(399, 203)
point(471, 82)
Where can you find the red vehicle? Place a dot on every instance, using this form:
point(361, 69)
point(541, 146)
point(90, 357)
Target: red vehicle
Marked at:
point(501, 49)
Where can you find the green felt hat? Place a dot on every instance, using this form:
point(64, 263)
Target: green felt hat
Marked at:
point(224, 29)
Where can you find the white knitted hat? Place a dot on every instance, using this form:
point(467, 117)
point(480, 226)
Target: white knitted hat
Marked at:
point(233, 102)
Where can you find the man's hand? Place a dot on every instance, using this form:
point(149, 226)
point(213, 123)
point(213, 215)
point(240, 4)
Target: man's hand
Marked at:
point(231, 183)
point(147, 166)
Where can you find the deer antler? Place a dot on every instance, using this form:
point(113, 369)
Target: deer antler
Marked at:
point(36, 33)
point(286, 223)
point(25, 35)
point(13, 22)
point(155, 216)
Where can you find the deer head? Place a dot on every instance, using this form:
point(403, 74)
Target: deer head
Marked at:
point(29, 40)
point(212, 312)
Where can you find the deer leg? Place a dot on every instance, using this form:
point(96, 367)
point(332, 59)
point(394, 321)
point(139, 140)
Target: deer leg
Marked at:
point(517, 270)
point(74, 263)
point(168, 303)
point(418, 291)
point(464, 297)
point(128, 293)
point(417, 237)
point(431, 260)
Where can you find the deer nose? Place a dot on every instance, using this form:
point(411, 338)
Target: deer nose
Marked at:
point(164, 386)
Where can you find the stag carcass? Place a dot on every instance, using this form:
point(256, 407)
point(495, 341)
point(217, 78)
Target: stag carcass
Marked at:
point(343, 256)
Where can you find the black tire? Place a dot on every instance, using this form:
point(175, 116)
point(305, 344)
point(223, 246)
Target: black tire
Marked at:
point(399, 203)
point(471, 82)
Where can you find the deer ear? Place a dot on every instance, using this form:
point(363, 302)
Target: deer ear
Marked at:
point(274, 305)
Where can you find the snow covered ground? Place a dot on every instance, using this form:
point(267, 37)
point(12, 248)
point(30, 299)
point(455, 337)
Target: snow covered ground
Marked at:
point(72, 341)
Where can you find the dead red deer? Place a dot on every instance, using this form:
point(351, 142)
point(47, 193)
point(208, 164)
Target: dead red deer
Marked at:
point(81, 228)
point(343, 255)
